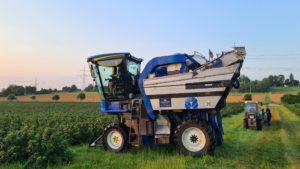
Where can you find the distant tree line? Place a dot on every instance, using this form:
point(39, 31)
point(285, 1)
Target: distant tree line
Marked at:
point(264, 85)
point(19, 90)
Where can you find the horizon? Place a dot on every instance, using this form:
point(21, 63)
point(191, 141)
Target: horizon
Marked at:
point(48, 42)
point(79, 87)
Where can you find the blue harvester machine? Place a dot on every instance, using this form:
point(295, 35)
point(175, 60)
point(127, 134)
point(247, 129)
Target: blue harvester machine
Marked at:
point(175, 100)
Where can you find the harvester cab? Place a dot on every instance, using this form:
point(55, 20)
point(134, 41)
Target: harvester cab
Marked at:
point(116, 76)
point(253, 115)
point(176, 99)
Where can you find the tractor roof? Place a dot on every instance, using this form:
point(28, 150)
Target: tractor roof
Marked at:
point(249, 102)
point(112, 56)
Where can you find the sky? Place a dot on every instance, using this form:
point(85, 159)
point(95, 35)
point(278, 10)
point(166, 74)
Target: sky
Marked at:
point(48, 41)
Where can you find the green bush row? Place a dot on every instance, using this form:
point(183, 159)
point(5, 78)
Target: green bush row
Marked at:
point(38, 134)
point(290, 98)
point(232, 109)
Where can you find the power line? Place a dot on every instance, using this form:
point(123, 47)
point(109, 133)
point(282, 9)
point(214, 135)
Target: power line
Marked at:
point(83, 76)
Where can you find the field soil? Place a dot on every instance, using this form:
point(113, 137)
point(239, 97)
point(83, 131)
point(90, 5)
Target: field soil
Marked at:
point(275, 97)
point(239, 98)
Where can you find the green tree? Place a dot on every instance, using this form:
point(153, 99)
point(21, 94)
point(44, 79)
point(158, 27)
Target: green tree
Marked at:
point(73, 88)
point(90, 88)
point(14, 89)
point(81, 96)
point(291, 79)
point(281, 79)
point(11, 97)
point(30, 90)
point(33, 97)
point(55, 97)
point(245, 83)
point(247, 97)
point(277, 80)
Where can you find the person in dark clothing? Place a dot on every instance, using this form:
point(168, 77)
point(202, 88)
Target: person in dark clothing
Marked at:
point(269, 115)
point(264, 116)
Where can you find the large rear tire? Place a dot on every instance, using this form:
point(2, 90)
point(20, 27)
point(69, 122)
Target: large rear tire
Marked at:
point(195, 138)
point(115, 138)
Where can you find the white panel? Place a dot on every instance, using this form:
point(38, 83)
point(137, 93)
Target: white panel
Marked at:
point(206, 102)
point(193, 80)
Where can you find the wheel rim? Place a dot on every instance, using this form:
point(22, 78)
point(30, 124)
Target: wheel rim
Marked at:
point(193, 139)
point(115, 139)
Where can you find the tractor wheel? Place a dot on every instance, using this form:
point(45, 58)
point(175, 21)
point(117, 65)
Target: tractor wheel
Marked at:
point(195, 138)
point(259, 124)
point(115, 137)
point(246, 126)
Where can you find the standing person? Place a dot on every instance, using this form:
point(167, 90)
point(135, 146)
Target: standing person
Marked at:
point(264, 118)
point(269, 115)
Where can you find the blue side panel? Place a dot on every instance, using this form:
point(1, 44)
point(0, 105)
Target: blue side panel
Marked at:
point(182, 68)
point(217, 63)
point(112, 108)
point(215, 120)
point(158, 61)
point(148, 140)
point(162, 71)
point(103, 106)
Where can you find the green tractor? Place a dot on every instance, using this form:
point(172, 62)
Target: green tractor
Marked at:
point(253, 115)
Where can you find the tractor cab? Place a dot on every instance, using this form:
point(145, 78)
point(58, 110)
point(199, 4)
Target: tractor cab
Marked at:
point(116, 75)
point(253, 115)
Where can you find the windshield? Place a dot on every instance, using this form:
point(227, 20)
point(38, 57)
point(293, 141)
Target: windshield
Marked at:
point(112, 79)
point(250, 107)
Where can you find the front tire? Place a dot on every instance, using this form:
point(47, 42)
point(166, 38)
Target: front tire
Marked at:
point(194, 138)
point(246, 126)
point(115, 138)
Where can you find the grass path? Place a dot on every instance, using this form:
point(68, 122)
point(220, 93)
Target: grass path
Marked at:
point(290, 133)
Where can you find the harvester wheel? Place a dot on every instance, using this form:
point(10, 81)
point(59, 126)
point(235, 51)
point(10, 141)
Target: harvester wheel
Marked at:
point(115, 137)
point(195, 138)
point(246, 126)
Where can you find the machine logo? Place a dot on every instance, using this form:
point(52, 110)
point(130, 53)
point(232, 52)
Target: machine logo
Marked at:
point(165, 102)
point(191, 103)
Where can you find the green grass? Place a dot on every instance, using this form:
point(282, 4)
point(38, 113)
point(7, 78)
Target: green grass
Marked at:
point(268, 99)
point(290, 131)
point(294, 107)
